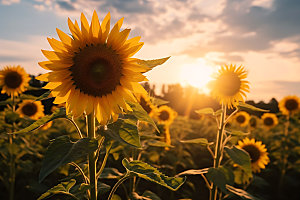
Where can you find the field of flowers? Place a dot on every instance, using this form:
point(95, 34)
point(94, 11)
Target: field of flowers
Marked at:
point(89, 130)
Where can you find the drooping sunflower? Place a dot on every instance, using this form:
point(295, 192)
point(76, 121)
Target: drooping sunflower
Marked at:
point(230, 86)
point(146, 103)
point(93, 70)
point(269, 120)
point(13, 80)
point(257, 152)
point(31, 109)
point(165, 115)
point(289, 105)
point(242, 118)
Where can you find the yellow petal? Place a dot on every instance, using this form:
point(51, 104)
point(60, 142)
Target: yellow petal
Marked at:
point(95, 28)
point(64, 38)
point(105, 26)
point(114, 32)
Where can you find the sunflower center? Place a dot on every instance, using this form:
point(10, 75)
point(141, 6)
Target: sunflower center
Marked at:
point(253, 122)
point(29, 109)
point(240, 119)
point(253, 151)
point(97, 70)
point(291, 104)
point(229, 84)
point(13, 80)
point(145, 105)
point(164, 115)
point(268, 121)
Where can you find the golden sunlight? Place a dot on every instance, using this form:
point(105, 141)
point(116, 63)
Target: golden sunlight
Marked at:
point(197, 75)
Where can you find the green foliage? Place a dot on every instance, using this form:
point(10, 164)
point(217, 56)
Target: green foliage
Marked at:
point(150, 64)
point(43, 96)
point(217, 176)
point(62, 188)
point(150, 173)
point(250, 107)
point(62, 151)
point(200, 141)
point(240, 192)
point(206, 111)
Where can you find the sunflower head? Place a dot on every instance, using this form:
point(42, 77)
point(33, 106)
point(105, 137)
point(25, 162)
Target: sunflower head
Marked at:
point(269, 120)
point(13, 80)
point(289, 105)
point(242, 118)
point(31, 109)
point(257, 152)
point(230, 86)
point(93, 70)
point(253, 122)
point(165, 115)
point(146, 103)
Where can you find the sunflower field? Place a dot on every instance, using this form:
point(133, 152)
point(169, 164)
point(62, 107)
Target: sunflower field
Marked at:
point(92, 128)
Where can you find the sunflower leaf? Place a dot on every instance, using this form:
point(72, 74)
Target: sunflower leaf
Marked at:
point(240, 192)
point(158, 101)
point(205, 111)
point(156, 143)
point(151, 195)
point(201, 141)
point(44, 96)
point(240, 157)
point(248, 106)
point(58, 113)
point(7, 101)
point(141, 114)
point(27, 97)
point(237, 133)
point(62, 188)
point(62, 151)
point(217, 176)
point(193, 172)
point(150, 64)
point(145, 171)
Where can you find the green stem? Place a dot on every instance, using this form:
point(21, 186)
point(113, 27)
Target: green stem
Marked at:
point(12, 170)
point(77, 128)
point(120, 181)
point(104, 162)
point(92, 157)
point(218, 151)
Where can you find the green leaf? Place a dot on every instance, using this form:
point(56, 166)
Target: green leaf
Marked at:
point(103, 188)
point(44, 96)
point(158, 101)
point(205, 111)
point(248, 106)
point(141, 114)
point(217, 176)
point(7, 101)
point(240, 192)
point(125, 131)
point(156, 143)
point(237, 133)
point(145, 171)
point(151, 195)
point(136, 196)
point(62, 151)
point(58, 113)
point(240, 157)
point(27, 97)
point(62, 188)
point(110, 173)
point(193, 172)
point(201, 141)
point(150, 64)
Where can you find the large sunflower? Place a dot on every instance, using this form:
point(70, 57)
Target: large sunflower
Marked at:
point(289, 105)
point(257, 152)
point(269, 120)
point(93, 69)
point(13, 80)
point(165, 115)
point(31, 109)
point(229, 86)
point(146, 103)
point(242, 118)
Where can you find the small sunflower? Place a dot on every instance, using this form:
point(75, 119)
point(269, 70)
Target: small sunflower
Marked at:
point(242, 118)
point(165, 115)
point(229, 86)
point(147, 105)
point(13, 80)
point(31, 109)
point(93, 69)
point(289, 105)
point(253, 122)
point(269, 120)
point(257, 152)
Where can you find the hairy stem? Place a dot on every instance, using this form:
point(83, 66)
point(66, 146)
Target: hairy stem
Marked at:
point(120, 181)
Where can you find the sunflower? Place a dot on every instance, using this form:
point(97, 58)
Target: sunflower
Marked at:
point(269, 120)
point(257, 152)
point(147, 105)
point(253, 122)
point(13, 80)
point(165, 115)
point(229, 86)
point(289, 105)
point(93, 70)
point(242, 118)
point(31, 109)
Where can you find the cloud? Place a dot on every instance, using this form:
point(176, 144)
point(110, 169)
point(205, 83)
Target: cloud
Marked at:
point(9, 2)
point(65, 5)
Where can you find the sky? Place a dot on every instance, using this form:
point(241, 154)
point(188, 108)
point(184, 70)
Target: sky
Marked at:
point(199, 35)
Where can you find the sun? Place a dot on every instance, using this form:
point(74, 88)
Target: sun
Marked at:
point(197, 75)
